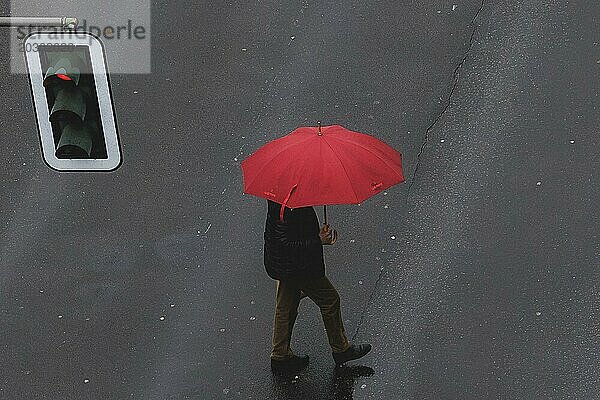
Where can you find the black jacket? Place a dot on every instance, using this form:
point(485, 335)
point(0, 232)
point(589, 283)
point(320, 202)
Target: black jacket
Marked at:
point(293, 249)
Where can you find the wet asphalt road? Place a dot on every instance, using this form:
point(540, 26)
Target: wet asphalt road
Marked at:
point(480, 282)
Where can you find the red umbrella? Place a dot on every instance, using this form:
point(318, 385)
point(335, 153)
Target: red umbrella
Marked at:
point(321, 166)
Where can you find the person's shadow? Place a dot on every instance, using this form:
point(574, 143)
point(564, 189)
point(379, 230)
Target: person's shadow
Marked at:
point(340, 387)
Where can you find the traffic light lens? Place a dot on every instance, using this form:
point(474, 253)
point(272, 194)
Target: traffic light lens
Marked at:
point(69, 104)
point(64, 77)
point(75, 142)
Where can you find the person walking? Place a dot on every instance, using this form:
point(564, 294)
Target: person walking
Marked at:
point(293, 256)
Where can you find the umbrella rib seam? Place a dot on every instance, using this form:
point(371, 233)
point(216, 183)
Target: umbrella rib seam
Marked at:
point(392, 167)
point(344, 168)
point(272, 158)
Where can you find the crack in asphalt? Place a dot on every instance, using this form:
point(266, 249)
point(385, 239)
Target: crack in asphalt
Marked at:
point(449, 101)
point(364, 311)
point(456, 77)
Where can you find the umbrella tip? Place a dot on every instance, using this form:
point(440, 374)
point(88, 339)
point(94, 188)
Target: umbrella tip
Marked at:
point(319, 123)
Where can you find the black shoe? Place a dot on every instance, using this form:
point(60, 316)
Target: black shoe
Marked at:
point(288, 365)
point(352, 353)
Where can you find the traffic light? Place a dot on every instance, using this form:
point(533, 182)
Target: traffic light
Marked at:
point(72, 98)
point(73, 101)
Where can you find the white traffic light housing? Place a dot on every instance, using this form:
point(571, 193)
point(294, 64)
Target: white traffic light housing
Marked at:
point(71, 93)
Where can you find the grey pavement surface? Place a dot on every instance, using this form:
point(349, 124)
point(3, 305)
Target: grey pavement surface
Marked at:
point(479, 282)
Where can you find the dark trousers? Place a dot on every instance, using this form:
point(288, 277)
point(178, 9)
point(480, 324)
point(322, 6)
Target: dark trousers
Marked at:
point(324, 295)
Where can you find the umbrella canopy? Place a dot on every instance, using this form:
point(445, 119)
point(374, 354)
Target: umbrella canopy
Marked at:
point(321, 166)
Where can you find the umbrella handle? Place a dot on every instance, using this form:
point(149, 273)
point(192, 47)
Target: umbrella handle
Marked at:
point(325, 214)
point(285, 202)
